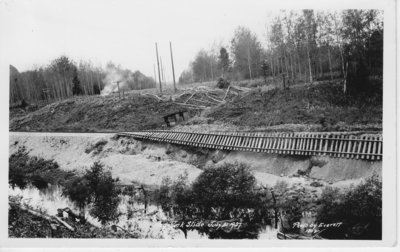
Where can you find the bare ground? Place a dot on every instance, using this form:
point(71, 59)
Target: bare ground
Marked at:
point(148, 163)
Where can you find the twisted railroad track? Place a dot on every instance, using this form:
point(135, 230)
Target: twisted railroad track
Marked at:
point(354, 145)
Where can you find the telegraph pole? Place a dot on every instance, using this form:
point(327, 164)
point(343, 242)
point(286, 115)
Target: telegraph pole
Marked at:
point(162, 70)
point(158, 65)
point(172, 62)
point(155, 76)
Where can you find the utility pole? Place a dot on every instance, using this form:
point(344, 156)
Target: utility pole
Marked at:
point(162, 70)
point(155, 76)
point(164, 82)
point(158, 65)
point(172, 62)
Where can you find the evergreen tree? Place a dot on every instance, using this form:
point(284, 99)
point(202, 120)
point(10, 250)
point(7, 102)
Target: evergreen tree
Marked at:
point(76, 84)
point(223, 62)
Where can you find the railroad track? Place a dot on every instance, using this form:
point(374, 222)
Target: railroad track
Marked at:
point(354, 145)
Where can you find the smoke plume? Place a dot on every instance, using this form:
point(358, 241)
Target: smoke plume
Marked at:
point(114, 74)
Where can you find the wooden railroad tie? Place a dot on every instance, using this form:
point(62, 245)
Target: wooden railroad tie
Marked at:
point(338, 145)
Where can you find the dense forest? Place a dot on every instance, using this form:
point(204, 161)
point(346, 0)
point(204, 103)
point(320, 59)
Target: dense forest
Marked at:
point(63, 78)
point(301, 46)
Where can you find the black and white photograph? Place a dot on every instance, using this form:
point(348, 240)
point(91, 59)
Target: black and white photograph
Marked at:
point(196, 120)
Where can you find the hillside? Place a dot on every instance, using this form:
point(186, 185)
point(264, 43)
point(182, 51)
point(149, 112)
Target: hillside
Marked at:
point(320, 107)
point(95, 114)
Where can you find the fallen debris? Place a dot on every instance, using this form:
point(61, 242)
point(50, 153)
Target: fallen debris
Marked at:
point(190, 97)
point(226, 93)
point(43, 215)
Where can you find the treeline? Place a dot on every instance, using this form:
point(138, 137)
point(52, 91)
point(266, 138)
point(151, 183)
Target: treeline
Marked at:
point(64, 78)
point(302, 46)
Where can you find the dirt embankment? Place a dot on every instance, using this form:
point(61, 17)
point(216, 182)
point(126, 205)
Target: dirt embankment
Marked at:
point(96, 114)
point(321, 107)
point(128, 159)
point(148, 162)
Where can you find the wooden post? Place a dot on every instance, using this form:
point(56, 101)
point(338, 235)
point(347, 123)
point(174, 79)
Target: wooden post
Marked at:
point(155, 76)
point(162, 70)
point(172, 62)
point(145, 198)
point(158, 65)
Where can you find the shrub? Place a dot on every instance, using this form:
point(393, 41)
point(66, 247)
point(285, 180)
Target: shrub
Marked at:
point(360, 210)
point(24, 170)
point(164, 194)
point(78, 191)
point(225, 187)
point(222, 83)
point(104, 193)
point(181, 195)
point(229, 192)
point(96, 187)
point(223, 193)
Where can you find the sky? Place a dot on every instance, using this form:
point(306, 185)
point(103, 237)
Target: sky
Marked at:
point(125, 32)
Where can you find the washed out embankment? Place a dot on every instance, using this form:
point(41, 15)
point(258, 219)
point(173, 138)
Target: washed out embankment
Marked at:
point(74, 151)
point(147, 162)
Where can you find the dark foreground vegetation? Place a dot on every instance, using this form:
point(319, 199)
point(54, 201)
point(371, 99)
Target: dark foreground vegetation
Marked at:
point(225, 202)
point(229, 193)
point(95, 186)
point(27, 224)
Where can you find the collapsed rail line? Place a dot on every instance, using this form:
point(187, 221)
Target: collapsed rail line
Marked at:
point(335, 144)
